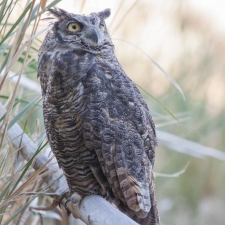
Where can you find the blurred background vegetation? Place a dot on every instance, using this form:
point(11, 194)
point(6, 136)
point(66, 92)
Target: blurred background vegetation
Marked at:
point(187, 39)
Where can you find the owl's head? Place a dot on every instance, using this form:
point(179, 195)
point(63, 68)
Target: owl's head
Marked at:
point(80, 32)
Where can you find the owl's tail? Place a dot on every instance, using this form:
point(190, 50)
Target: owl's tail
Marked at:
point(152, 218)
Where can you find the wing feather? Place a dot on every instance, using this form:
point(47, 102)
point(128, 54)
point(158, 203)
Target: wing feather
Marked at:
point(123, 134)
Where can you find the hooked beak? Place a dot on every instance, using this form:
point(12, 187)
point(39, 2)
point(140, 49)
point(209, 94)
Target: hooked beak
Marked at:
point(92, 35)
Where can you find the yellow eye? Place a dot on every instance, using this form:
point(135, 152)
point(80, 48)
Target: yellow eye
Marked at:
point(102, 27)
point(74, 27)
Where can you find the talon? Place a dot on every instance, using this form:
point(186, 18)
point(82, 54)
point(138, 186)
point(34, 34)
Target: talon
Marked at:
point(67, 201)
point(75, 198)
point(64, 194)
point(108, 194)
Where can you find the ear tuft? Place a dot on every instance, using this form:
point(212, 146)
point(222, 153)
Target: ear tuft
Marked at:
point(104, 14)
point(60, 13)
point(54, 12)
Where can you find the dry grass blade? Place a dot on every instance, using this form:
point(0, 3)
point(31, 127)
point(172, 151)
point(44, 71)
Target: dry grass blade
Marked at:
point(174, 175)
point(12, 98)
point(158, 125)
point(43, 4)
point(21, 49)
point(116, 13)
point(125, 14)
point(17, 40)
point(176, 85)
point(26, 183)
point(82, 6)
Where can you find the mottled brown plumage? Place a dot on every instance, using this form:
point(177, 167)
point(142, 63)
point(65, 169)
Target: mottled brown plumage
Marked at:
point(97, 123)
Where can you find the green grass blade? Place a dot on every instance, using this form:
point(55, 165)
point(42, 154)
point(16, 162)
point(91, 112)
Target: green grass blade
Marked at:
point(163, 106)
point(53, 3)
point(28, 202)
point(19, 100)
point(4, 191)
point(4, 62)
point(6, 17)
point(3, 5)
point(4, 49)
point(21, 113)
point(33, 16)
point(15, 24)
point(27, 167)
point(19, 210)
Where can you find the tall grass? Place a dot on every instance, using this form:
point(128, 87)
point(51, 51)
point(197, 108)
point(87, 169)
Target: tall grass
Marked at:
point(18, 52)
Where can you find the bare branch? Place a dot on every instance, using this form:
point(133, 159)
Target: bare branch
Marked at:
point(24, 81)
point(187, 147)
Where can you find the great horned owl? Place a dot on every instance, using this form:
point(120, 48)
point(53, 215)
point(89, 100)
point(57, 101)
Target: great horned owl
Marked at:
point(97, 123)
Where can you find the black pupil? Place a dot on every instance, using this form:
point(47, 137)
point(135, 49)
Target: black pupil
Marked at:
point(74, 27)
